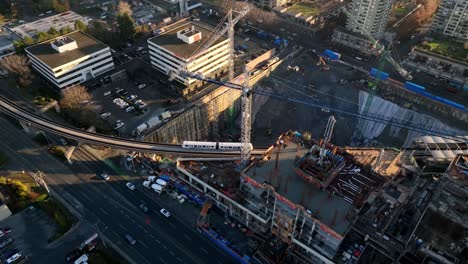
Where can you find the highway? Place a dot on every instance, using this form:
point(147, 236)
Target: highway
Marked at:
point(83, 136)
point(111, 207)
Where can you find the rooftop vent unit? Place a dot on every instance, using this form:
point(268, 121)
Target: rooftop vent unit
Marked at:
point(62, 44)
point(189, 35)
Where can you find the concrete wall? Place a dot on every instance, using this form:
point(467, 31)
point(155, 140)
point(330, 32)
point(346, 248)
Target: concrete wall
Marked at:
point(202, 120)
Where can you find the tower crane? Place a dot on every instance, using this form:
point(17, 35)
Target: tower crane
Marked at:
point(327, 137)
point(386, 52)
point(247, 92)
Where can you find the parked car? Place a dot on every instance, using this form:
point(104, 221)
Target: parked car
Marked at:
point(74, 255)
point(130, 186)
point(13, 258)
point(105, 115)
point(144, 208)
point(7, 230)
point(118, 124)
point(107, 93)
point(141, 86)
point(132, 97)
point(104, 176)
point(165, 212)
point(6, 242)
point(129, 109)
point(130, 239)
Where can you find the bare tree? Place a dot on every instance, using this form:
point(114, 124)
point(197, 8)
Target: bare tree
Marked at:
point(18, 67)
point(124, 7)
point(74, 96)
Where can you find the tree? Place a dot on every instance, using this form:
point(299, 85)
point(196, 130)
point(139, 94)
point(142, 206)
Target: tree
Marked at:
point(73, 96)
point(18, 67)
point(42, 36)
point(2, 20)
point(79, 25)
point(124, 8)
point(61, 6)
point(28, 40)
point(126, 29)
point(65, 30)
point(52, 32)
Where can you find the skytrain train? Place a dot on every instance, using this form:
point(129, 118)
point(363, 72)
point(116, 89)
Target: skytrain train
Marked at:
point(213, 145)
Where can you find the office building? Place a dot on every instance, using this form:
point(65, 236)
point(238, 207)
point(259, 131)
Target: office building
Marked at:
point(179, 46)
point(70, 59)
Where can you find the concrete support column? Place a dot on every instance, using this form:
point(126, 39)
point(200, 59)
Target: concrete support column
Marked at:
point(69, 153)
point(25, 126)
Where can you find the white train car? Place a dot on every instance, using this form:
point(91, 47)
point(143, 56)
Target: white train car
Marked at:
point(231, 146)
point(199, 145)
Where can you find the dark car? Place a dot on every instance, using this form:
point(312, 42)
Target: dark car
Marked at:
point(144, 208)
point(6, 242)
point(130, 239)
point(74, 255)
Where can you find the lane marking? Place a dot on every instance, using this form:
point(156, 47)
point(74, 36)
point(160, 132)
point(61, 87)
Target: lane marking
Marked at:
point(172, 225)
point(123, 227)
point(162, 260)
point(103, 211)
point(186, 236)
point(179, 259)
point(172, 253)
point(157, 241)
point(202, 249)
point(146, 246)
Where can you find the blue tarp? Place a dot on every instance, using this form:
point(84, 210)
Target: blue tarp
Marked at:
point(414, 87)
point(379, 75)
point(331, 54)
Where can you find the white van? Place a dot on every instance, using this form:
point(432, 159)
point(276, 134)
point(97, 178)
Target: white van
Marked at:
point(146, 184)
point(161, 182)
point(157, 188)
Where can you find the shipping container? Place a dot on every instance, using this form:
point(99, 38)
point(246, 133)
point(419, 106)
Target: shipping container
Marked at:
point(331, 55)
point(379, 75)
point(414, 87)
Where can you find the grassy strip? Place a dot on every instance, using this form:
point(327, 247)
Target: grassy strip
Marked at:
point(104, 256)
point(61, 216)
point(3, 159)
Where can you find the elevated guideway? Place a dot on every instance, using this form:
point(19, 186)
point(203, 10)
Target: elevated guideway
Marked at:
point(83, 136)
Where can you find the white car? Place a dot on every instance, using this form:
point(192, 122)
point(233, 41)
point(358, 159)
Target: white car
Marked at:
point(140, 48)
point(106, 93)
point(165, 212)
point(123, 105)
point(104, 176)
point(119, 124)
point(132, 97)
point(129, 109)
point(130, 186)
point(105, 115)
point(141, 105)
point(14, 258)
point(141, 86)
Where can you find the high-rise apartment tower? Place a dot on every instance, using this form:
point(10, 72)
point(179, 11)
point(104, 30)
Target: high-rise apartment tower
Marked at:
point(370, 16)
point(451, 18)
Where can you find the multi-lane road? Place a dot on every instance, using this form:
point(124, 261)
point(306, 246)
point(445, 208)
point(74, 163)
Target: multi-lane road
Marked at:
point(111, 207)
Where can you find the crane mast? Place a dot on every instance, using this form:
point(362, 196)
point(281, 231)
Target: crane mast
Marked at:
point(386, 54)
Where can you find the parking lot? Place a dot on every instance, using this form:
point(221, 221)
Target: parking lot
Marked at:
point(133, 97)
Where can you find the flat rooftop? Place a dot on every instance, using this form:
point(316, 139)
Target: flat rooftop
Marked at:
point(330, 209)
point(169, 40)
point(65, 19)
point(220, 174)
point(49, 56)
